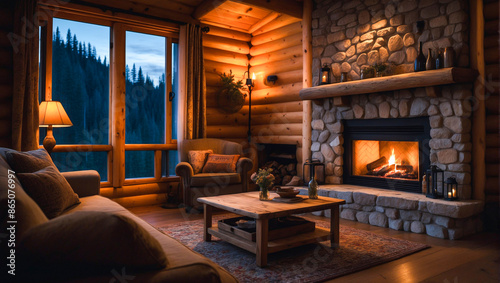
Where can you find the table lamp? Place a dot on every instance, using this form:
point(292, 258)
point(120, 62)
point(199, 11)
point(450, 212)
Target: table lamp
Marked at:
point(52, 114)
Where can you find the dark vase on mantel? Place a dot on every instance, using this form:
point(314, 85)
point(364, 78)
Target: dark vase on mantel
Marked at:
point(420, 61)
point(430, 65)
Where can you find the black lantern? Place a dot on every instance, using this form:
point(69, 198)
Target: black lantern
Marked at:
point(313, 163)
point(324, 75)
point(451, 192)
point(435, 182)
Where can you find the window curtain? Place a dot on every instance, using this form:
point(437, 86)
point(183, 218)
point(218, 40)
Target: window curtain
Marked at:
point(192, 100)
point(25, 84)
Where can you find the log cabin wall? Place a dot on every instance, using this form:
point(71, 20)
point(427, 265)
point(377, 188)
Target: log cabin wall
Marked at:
point(6, 70)
point(276, 49)
point(491, 58)
point(225, 51)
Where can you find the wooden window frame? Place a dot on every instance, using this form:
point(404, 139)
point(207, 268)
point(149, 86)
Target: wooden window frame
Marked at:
point(118, 24)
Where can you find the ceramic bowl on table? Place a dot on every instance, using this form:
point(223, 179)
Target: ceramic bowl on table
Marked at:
point(287, 192)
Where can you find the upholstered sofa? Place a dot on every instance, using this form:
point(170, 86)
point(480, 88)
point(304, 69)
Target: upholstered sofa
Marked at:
point(197, 185)
point(182, 264)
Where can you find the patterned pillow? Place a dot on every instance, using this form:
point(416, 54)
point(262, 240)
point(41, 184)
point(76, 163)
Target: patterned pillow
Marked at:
point(221, 163)
point(197, 159)
point(50, 190)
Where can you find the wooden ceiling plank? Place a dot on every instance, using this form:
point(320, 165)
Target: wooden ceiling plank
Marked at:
point(230, 17)
point(177, 6)
point(206, 7)
point(288, 7)
point(279, 22)
point(244, 9)
point(226, 26)
point(267, 19)
point(232, 34)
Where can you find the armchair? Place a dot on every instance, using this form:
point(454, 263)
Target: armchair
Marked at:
point(211, 184)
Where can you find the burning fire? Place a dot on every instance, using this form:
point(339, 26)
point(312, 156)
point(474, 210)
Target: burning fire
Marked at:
point(392, 159)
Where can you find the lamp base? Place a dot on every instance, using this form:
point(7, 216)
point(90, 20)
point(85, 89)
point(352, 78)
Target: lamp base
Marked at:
point(49, 142)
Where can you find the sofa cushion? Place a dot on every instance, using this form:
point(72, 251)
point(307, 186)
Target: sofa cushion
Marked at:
point(27, 213)
point(197, 159)
point(217, 179)
point(88, 243)
point(221, 163)
point(50, 190)
point(29, 161)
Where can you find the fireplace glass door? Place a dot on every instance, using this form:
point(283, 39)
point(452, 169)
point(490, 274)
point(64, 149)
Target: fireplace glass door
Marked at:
point(386, 159)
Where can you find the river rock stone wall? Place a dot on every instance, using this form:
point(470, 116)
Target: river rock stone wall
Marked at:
point(349, 35)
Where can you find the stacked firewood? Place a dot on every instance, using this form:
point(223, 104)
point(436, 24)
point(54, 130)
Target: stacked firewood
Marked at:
point(283, 173)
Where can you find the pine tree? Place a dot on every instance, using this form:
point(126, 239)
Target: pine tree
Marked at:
point(133, 74)
point(140, 77)
point(127, 72)
point(68, 40)
point(75, 44)
point(89, 51)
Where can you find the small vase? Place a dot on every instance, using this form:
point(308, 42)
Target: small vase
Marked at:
point(430, 64)
point(263, 194)
point(449, 57)
point(420, 61)
point(312, 189)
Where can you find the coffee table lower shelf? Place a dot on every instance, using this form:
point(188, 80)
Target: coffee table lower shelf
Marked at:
point(318, 235)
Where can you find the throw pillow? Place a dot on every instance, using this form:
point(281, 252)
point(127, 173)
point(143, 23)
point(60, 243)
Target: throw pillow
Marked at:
point(28, 161)
point(197, 159)
point(221, 163)
point(85, 243)
point(50, 190)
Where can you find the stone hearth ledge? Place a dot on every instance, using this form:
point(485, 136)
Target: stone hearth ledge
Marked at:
point(405, 211)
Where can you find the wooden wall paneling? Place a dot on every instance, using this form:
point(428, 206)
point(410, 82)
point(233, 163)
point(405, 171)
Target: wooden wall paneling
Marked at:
point(491, 10)
point(278, 67)
point(226, 131)
point(217, 117)
point(277, 129)
point(292, 8)
point(206, 7)
point(276, 107)
point(218, 67)
point(279, 55)
point(264, 21)
point(297, 140)
point(242, 9)
point(226, 33)
point(212, 79)
point(275, 45)
point(277, 118)
point(219, 20)
point(227, 44)
point(283, 79)
point(276, 34)
point(492, 170)
point(492, 104)
point(284, 93)
point(491, 41)
point(493, 71)
point(224, 56)
point(492, 55)
point(281, 21)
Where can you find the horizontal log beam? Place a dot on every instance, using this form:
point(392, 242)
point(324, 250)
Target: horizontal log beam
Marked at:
point(224, 56)
point(218, 117)
point(293, 106)
point(492, 55)
point(230, 34)
point(491, 27)
point(395, 82)
point(206, 7)
point(267, 19)
point(492, 104)
point(276, 34)
point(279, 22)
point(277, 130)
point(219, 68)
point(283, 93)
point(491, 11)
point(492, 169)
point(141, 147)
point(296, 140)
point(277, 118)
point(222, 131)
point(491, 41)
point(492, 123)
point(283, 79)
point(82, 147)
point(492, 155)
point(227, 44)
point(278, 67)
point(294, 52)
point(492, 71)
point(493, 140)
point(275, 45)
point(492, 185)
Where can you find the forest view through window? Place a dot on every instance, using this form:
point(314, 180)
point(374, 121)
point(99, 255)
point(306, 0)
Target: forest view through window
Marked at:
point(80, 81)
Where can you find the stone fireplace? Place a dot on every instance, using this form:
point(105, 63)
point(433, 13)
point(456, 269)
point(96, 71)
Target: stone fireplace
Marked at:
point(384, 132)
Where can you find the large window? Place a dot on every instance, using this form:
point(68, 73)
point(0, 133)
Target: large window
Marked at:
point(80, 77)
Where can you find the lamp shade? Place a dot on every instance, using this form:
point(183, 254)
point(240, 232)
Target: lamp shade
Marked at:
point(52, 114)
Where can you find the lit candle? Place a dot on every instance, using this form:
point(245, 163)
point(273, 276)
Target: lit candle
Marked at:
point(449, 194)
point(454, 193)
point(253, 76)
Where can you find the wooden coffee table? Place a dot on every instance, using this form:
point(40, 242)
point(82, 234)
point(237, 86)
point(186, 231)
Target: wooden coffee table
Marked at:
point(248, 204)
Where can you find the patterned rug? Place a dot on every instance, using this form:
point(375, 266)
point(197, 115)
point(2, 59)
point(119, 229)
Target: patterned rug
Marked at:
point(358, 250)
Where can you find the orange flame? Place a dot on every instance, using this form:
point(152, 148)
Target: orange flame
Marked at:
point(392, 159)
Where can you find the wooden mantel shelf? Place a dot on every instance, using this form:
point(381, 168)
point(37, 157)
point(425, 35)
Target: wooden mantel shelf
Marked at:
point(396, 82)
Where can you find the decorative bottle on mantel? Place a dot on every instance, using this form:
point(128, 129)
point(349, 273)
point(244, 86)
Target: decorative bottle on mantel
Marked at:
point(430, 64)
point(449, 57)
point(439, 59)
point(420, 61)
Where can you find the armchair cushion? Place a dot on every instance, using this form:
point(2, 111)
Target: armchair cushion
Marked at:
point(215, 179)
point(198, 158)
point(221, 163)
point(84, 183)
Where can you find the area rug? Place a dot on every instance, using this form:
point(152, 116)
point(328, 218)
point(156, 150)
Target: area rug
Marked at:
point(358, 250)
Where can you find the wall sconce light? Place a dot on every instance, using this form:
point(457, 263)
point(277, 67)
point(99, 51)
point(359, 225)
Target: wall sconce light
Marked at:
point(272, 78)
point(324, 75)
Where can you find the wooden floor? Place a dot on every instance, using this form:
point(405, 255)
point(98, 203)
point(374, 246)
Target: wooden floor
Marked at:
point(472, 259)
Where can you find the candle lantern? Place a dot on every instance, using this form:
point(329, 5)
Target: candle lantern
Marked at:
point(451, 189)
point(435, 182)
point(324, 75)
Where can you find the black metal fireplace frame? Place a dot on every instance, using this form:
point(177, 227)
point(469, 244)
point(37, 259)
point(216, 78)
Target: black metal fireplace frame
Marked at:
point(397, 129)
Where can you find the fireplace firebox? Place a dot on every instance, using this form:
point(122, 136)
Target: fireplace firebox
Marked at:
point(387, 153)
